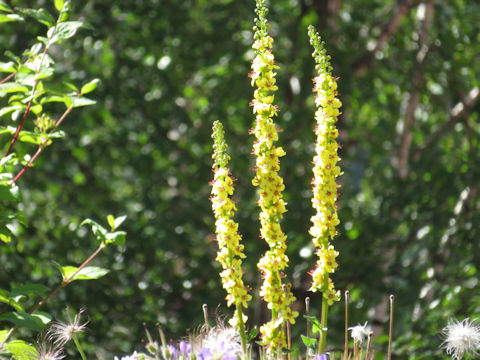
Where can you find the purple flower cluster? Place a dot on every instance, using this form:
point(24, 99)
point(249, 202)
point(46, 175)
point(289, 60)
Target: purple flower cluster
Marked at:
point(223, 350)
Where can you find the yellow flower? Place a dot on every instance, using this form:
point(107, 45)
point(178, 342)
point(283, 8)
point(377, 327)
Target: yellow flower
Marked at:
point(230, 250)
point(325, 172)
point(276, 294)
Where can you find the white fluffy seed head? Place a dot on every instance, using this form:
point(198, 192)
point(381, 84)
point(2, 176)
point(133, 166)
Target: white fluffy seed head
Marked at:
point(461, 337)
point(359, 333)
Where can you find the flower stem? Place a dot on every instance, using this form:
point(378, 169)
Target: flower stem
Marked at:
point(79, 347)
point(323, 334)
point(241, 326)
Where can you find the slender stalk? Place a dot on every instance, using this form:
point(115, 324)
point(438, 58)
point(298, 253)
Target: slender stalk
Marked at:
point(243, 335)
point(323, 333)
point(390, 331)
point(79, 347)
point(289, 342)
point(41, 147)
point(8, 77)
point(205, 316)
point(29, 106)
point(368, 345)
point(307, 311)
point(345, 351)
point(64, 283)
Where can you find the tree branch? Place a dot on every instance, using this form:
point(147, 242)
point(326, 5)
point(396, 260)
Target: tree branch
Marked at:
point(418, 78)
point(388, 30)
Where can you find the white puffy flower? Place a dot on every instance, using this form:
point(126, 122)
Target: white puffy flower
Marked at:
point(461, 337)
point(61, 333)
point(359, 333)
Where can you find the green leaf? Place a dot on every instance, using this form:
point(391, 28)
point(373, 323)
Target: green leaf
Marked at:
point(7, 299)
point(87, 273)
point(10, 17)
point(118, 238)
point(3, 335)
point(58, 5)
point(10, 87)
point(4, 7)
point(310, 343)
point(98, 230)
point(56, 135)
point(64, 30)
point(53, 98)
point(316, 326)
point(41, 15)
point(29, 289)
point(9, 193)
point(111, 221)
point(252, 334)
point(30, 137)
point(7, 67)
point(36, 321)
point(90, 86)
point(21, 350)
point(81, 101)
point(9, 109)
point(71, 86)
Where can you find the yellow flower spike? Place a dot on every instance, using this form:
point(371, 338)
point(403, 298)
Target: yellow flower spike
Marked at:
point(276, 294)
point(230, 250)
point(325, 172)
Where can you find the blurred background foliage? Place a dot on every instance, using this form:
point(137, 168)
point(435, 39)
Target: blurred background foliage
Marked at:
point(410, 133)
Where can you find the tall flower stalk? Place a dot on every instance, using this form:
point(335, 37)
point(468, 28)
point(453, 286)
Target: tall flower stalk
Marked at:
point(276, 294)
point(325, 172)
point(230, 252)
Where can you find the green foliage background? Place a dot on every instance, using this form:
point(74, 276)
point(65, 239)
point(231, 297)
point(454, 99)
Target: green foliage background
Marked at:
point(168, 70)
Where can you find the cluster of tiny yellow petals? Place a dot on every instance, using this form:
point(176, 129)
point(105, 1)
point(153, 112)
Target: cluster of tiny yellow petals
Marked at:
point(277, 295)
point(325, 173)
point(230, 249)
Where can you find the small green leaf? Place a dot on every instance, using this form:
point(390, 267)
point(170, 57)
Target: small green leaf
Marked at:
point(10, 87)
point(117, 237)
point(87, 273)
point(9, 109)
point(10, 17)
point(53, 98)
point(81, 101)
point(41, 15)
point(64, 30)
point(252, 334)
point(98, 230)
point(72, 86)
point(58, 5)
point(316, 326)
point(90, 86)
point(57, 135)
point(7, 299)
point(7, 67)
point(111, 221)
point(3, 335)
point(4, 7)
point(36, 321)
point(119, 221)
point(21, 350)
point(310, 343)
point(30, 137)
point(9, 192)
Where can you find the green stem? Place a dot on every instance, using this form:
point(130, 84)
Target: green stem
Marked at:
point(323, 334)
point(241, 328)
point(79, 347)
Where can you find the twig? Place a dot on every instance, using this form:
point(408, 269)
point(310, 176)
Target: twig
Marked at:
point(64, 283)
point(41, 147)
point(390, 330)
point(205, 316)
point(345, 351)
point(8, 77)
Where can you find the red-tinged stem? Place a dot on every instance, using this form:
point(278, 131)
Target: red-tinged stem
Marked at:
point(41, 147)
point(17, 132)
point(8, 77)
point(64, 283)
point(29, 106)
